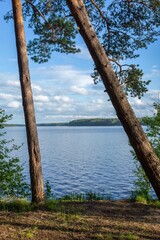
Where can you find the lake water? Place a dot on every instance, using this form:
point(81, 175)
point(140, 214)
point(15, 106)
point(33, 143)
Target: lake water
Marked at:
point(82, 159)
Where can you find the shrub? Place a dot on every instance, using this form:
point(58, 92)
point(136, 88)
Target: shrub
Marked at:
point(142, 184)
point(12, 180)
point(48, 191)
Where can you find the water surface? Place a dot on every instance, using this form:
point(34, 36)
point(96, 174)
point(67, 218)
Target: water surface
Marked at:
point(82, 159)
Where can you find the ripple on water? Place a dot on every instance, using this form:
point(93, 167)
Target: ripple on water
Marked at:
point(86, 159)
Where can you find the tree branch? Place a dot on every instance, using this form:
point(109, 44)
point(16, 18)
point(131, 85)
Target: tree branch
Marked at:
point(105, 19)
point(36, 9)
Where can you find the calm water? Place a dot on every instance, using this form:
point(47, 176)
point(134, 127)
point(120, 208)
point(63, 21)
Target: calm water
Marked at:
point(80, 159)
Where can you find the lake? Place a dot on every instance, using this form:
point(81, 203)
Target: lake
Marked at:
point(82, 159)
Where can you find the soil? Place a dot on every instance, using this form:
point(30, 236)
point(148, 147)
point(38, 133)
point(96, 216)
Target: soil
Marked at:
point(84, 221)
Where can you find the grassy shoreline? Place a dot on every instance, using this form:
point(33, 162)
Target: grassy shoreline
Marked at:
point(81, 220)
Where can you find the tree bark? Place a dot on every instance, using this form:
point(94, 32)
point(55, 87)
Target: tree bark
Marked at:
point(145, 153)
point(37, 185)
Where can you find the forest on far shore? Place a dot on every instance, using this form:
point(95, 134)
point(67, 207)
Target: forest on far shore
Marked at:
point(84, 122)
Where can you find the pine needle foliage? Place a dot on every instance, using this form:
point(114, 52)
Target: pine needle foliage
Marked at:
point(123, 27)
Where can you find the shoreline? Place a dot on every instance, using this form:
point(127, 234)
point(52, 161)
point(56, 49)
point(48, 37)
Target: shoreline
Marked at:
point(94, 220)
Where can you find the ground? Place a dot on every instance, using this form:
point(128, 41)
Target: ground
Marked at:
point(83, 221)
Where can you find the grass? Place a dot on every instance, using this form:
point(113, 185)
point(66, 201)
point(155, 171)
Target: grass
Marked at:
point(54, 204)
point(81, 220)
point(129, 236)
point(17, 205)
point(28, 233)
point(141, 199)
point(155, 203)
point(88, 196)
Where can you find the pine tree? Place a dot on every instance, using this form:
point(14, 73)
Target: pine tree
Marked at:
point(144, 151)
point(37, 185)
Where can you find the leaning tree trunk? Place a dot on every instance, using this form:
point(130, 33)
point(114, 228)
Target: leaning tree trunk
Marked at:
point(36, 177)
point(148, 159)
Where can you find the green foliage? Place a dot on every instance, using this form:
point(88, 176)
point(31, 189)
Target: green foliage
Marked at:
point(123, 27)
point(95, 122)
point(128, 236)
point(111, 236)
point(141, 199)
point(12, 179)
point(132, 82)
point(153, 129)
point(130, 79)
point(17, 205)
point(88, 196)
point(53, 205)
point(91, 196)
point(55, 32)
point(58, 39)
point(142, 184)
point(156, 203)
point(48, 191)
point(73, 197)
point(132, 25)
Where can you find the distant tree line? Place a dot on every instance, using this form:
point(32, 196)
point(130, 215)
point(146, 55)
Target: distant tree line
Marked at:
point(90, 122)
point(81, 122)
point(96, 122)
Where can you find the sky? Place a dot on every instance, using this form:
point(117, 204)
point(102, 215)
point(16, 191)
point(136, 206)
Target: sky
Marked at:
point(63, 89)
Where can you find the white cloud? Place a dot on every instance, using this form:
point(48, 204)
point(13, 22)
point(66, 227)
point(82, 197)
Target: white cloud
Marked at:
point(65, 75)
point(138, 102)
point(79, 90)
point(6, 96)
point(153, 73)
point(98, 101)
point(36, 88)
point(64, 92)
point(144, 107)
point(61, 99)
point(13, 83)
point(7, 76)
point(14, 104)
point(41, 98)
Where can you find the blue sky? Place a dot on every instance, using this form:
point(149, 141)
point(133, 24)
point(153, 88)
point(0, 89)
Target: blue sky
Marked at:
point(62, 88)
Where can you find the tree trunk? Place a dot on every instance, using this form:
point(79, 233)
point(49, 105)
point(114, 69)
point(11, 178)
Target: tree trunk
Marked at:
point(148, 159)
point(36, 177)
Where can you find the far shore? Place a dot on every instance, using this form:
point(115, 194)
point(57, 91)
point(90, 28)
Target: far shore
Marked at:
point(92, 122)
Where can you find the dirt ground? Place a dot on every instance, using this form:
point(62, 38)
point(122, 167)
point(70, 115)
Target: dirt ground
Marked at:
point(83, 221)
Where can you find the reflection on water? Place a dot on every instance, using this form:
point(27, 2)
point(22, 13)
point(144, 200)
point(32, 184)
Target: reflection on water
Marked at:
point(81, 159)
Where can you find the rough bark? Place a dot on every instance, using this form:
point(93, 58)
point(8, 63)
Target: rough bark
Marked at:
point(148, 159)
point(36, 177)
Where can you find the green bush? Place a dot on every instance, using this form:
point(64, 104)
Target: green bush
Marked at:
point(88, 196)
point(17, 205)
point(12, 180)
point(142, 184)
point(48, 191)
